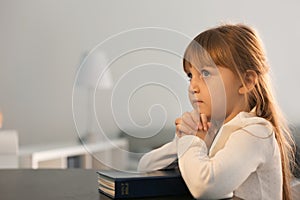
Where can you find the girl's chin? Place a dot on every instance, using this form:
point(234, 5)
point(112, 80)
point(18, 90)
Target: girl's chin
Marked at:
point(208, 114)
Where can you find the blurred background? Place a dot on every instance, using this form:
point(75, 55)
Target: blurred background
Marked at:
point(43, 44)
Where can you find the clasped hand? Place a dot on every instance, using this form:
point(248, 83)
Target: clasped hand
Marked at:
point(192, 123)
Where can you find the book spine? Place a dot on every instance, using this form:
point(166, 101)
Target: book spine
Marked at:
point(150, 188)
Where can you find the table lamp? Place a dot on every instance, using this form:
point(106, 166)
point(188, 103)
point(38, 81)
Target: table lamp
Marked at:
point(1, 119)
point(94, 75)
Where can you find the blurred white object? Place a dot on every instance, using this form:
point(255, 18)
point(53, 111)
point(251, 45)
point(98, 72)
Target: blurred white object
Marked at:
point(94, 75)
point(1, 119)
point(9, 149)
point(94, 72)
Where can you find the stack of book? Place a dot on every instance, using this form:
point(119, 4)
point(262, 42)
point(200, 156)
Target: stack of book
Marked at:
point(118, 184)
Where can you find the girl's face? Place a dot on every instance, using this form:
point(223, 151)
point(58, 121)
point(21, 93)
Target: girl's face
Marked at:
point(214, 91)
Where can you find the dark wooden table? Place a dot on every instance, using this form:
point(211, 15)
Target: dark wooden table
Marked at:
point(54, 184)
point(64, 184)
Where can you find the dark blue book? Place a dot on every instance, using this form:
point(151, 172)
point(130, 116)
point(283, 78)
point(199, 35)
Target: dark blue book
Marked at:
point(120, 185)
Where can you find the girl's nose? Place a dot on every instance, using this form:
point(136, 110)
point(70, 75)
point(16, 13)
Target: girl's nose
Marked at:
point(194, 87)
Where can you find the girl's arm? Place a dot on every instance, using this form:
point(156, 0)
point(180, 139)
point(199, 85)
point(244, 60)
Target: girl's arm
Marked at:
point(229, 168)
point(159, 158)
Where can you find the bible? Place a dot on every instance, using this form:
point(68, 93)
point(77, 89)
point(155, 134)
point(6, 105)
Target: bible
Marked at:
point(120, 185)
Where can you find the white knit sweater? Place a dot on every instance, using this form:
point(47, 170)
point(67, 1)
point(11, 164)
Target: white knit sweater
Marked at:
point(244, 161)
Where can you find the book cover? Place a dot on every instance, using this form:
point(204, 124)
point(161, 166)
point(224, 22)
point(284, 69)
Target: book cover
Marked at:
point(119, 185)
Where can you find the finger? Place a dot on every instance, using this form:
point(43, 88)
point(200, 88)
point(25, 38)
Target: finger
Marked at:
point(186, 129)
point(179, 134)
point(178, 121)
point(188, 120)
point(183, 129)
point(195, 116)
point(208, 124)
point(204, 121)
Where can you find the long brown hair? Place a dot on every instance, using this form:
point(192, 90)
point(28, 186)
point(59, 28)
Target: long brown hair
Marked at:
point(239, 48)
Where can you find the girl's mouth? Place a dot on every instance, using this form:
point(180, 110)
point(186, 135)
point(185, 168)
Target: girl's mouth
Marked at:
point(198, 102)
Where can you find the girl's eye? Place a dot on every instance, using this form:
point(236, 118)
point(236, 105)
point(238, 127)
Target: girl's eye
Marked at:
point(190, 76)
point(205, 73)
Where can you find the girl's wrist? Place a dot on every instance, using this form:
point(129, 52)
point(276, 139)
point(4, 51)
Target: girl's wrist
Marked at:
point(201, 134)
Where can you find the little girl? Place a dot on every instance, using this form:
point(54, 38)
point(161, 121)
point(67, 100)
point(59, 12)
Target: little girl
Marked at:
point(235, 142)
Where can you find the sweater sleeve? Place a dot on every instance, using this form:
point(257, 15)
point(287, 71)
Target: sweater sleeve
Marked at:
point(218, 176)
point(159, 158)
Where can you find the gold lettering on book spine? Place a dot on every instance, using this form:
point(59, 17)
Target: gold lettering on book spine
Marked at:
point(124, 188)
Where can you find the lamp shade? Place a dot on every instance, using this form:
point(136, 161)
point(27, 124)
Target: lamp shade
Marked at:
point(1, 119)
point(94, 72)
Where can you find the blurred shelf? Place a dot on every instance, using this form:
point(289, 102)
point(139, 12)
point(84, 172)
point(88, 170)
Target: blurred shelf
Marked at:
point(109, 154)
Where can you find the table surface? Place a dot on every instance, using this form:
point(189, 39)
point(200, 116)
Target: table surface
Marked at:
point(63, 184)
point(54, 184)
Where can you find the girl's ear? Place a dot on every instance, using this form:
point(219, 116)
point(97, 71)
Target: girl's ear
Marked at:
point(250, 80)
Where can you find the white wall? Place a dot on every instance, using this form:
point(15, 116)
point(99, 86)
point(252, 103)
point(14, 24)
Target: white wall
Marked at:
point(42, 42)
